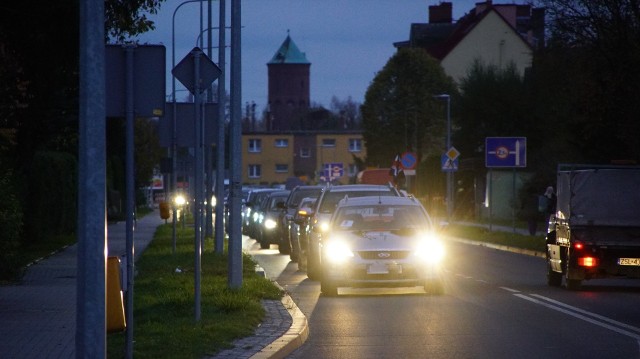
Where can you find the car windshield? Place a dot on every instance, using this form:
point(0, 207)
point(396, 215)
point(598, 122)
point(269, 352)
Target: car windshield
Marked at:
point(380, 217)
point(273, 201)
point(331, 199)
point(297, 196)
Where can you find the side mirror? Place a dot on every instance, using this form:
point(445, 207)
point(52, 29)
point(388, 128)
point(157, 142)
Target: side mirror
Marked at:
point(305, 212)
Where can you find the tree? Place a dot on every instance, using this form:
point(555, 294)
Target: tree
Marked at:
point(39, 67)
point(493, 102)
point(399, 111)
point(603, 37)
point(347, 112)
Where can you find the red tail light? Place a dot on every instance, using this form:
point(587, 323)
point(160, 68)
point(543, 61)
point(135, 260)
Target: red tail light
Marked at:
point(587, 262)
point(578, 245)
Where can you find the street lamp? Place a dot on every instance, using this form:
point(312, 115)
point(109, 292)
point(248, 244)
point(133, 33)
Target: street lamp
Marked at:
point(448, 146)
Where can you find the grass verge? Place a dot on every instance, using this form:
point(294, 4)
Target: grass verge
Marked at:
point(164, 319)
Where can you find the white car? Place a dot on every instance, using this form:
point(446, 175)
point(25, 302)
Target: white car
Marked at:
point(381, 242)
point(322, 211)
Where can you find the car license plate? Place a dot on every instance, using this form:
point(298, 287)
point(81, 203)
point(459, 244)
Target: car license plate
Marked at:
point(377, 268)
point(629, 261)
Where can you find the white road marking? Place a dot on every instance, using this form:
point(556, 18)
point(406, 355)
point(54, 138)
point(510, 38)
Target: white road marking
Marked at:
point(586, 316)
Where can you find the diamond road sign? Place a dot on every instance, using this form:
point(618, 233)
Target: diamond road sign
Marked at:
point(452, 153)
point(185, 71)
point(506, 152)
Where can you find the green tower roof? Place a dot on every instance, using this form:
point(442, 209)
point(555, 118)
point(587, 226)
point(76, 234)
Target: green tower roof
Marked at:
point(288, 53)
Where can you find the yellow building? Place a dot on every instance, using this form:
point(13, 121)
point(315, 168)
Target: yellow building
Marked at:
point(271, 158)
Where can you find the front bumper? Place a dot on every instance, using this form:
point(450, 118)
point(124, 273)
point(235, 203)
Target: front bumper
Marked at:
point(380, 273)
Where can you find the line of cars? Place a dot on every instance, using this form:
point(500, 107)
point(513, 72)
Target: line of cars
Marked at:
point(350, 235)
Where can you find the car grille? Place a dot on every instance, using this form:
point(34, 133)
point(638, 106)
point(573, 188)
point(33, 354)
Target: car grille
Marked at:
point(384, 254)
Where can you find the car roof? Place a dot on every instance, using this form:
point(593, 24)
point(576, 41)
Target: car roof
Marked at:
point(308, 187)
point(279, 193)
point(375, 200)
point(357, 187)
point(264, 190)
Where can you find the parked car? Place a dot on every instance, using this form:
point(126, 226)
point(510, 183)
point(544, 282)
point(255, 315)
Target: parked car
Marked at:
point(267, 223)
point(249, 215)
point(324, 208)
point(300, 231)
point(288, 211)
point(381, 242)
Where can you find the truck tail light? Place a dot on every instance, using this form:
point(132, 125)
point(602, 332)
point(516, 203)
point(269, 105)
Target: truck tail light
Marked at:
point(587, 262)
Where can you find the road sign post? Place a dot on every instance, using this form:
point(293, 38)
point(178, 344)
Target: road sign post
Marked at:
point(505, 152)
point(196, 72)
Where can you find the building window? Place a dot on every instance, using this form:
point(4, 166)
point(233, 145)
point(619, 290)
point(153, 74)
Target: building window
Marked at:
point(255, 171)
point(355, 145)
point(255, 145)
point(282, 142)
point(282, 168)
point(328, 142)
point(305, 152)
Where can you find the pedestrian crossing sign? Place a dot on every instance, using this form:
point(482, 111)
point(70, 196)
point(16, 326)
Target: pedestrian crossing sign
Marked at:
point(448, 164)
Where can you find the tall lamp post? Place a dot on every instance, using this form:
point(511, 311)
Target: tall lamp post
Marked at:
point(448, 146)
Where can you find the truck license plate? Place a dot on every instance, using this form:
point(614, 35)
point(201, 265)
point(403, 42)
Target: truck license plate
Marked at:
point(629, 261)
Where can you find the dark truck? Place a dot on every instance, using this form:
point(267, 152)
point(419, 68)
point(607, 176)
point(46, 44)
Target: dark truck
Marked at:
point(595, 230)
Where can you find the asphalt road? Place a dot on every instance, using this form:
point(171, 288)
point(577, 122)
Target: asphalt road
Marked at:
point(496, 305)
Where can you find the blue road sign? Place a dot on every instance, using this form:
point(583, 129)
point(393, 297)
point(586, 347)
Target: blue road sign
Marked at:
point(506, 152)
point(448, 165)
point(333, 170)
point(409, 160)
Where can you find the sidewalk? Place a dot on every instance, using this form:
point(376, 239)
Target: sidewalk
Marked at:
point(38, 315)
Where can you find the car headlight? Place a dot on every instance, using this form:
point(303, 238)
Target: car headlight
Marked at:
point(270, 224)
point(337, 251)
point(324, 226)
point(255, 216)
point(430, 249)
point(179, 200)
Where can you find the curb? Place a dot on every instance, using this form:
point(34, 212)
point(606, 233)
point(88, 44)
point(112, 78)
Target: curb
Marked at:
point(292, 339)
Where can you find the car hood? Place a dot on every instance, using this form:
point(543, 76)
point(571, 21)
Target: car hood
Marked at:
point(377, 240)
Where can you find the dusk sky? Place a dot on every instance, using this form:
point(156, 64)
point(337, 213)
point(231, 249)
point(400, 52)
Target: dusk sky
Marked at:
point(346, 41)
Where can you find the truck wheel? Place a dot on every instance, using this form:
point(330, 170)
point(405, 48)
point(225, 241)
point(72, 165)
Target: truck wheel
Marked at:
point(554, 279)
point(572, 284)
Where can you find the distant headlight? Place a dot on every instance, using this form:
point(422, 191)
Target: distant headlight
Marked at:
point(270, 224)
point(337, 251)
point(430, 249)
point(256, 216)
point(179, 200)
point(324, 226)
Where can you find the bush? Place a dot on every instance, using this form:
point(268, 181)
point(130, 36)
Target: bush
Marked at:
point(10, 227)
point(52, 196)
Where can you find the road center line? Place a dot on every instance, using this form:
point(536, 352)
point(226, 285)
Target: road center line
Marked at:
point(510, 290)
point(594, 315)
point(574, 312)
